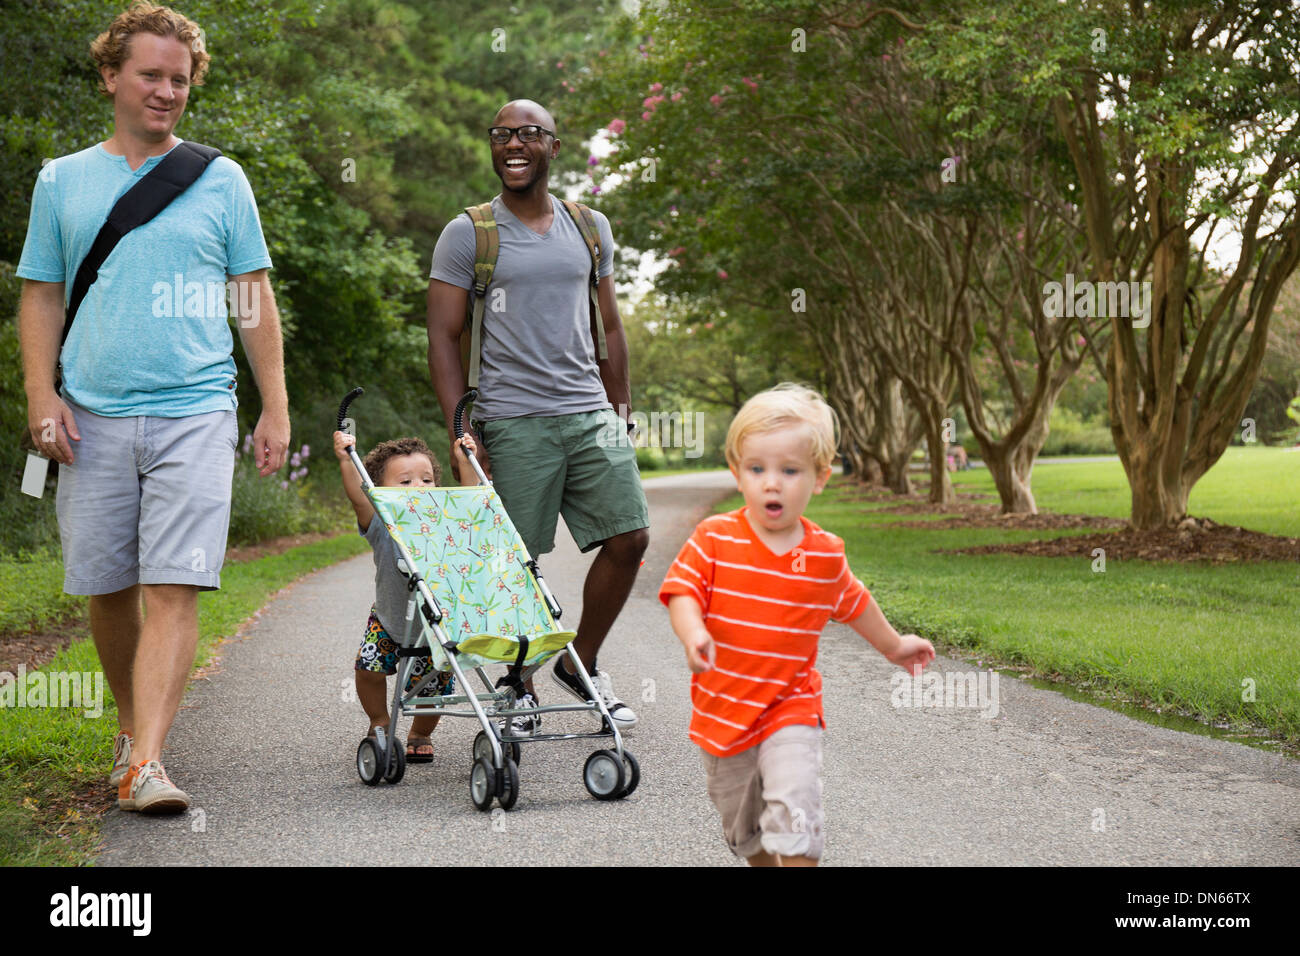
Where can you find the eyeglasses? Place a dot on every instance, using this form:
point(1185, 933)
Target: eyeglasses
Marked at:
point(500, 135)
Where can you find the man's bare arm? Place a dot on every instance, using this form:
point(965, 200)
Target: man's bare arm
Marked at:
point(445, 318)
point(40, 333)
point(259, 331)
point(614, 371)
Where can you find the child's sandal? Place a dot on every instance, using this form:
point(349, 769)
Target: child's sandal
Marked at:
point(413, 745)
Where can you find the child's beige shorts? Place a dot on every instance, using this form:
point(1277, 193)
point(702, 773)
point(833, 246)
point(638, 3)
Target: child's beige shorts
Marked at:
point(770, 796)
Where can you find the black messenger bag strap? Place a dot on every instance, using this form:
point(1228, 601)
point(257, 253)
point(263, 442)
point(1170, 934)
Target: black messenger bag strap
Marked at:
point(146, 199)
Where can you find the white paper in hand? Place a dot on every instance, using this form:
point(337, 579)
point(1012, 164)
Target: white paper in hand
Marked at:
point(34, 475)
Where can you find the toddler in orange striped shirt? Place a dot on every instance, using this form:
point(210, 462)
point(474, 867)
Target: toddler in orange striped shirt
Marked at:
point(748, 596)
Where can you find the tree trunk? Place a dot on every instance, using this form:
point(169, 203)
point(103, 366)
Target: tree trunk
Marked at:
point(941, 492)
point(896, 478)
point(1010, 471)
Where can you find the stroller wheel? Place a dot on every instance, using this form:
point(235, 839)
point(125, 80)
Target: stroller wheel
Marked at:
point(368, 762)
point(632, 771)
point(483, 748)
point(397, 762)
point(482, 779)
point(603, 775)
point(509, 785)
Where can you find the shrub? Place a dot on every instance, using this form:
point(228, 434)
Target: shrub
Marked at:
point(1071, 434)
point(279, 504)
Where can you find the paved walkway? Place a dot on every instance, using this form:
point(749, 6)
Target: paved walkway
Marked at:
point(266, 748)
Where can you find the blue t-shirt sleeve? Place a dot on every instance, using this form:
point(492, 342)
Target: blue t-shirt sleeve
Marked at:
point(42, 258)
point(606, 245)
point(453, 256)
point(245, 246)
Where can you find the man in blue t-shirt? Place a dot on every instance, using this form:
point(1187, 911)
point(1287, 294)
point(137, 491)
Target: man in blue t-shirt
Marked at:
point(144, 428)
point(552, 415)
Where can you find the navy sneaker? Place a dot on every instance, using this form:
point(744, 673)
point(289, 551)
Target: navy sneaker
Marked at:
point(622, 714)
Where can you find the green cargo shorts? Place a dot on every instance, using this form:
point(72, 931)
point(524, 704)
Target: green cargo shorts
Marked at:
point(581, 466)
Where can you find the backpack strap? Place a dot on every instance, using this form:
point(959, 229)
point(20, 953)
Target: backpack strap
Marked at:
point(585, 220)
point(151, 195)
point(487, 245)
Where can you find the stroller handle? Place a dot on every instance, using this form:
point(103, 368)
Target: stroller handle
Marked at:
point(459, 416)
point(343, 408)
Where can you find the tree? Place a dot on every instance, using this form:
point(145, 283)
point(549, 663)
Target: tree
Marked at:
point(1179, 119)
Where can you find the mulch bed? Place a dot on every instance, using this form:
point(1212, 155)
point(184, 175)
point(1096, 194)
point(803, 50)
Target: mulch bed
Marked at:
point(1196, 539)
point(33, 650)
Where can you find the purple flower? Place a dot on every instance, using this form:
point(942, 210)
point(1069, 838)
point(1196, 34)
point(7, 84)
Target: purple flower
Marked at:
point(284, 485)
point(593, 161)
point(295, 460)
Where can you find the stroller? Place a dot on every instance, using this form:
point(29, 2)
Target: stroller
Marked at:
point(477, 598)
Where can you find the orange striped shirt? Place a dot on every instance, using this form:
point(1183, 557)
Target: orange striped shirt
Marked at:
point(766, 613)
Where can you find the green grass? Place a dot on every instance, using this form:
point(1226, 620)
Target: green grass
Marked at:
point(32, 590)
point(1253, 486)
point(53, 758)
point(1180, 638)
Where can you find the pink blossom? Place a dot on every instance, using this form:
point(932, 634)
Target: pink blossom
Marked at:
point(559, 65)
point(708, 325)
point(602, 53)
point(722, 273)
point(748, 82)
point(1081, 341)
point(885, 57)
point(677, 252)
point(645, 115)
point(616, 126)
point(656, 87)
point(677, 96)
point(715, 99)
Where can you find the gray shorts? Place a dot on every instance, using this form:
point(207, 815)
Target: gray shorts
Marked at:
point(147, 500)
point(770, 796)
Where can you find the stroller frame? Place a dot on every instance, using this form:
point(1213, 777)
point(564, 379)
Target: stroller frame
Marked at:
point(609, 774)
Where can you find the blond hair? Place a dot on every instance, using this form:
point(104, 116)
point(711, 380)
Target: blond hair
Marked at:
point(112, 48)
point(785, 405)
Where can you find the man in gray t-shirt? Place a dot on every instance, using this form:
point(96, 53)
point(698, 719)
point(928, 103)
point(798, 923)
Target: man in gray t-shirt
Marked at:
point(551, 416)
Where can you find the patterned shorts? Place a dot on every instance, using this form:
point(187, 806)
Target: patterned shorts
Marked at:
point(378, 653)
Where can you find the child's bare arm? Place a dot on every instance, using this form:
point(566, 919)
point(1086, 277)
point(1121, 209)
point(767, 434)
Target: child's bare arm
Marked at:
point(688, 624)
point(352, 480)
point(908, 651)
point(463, 467)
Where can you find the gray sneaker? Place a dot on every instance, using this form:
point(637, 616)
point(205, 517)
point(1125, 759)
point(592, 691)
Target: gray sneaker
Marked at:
point(121, 758)
point(147, 789)
point(525, 725)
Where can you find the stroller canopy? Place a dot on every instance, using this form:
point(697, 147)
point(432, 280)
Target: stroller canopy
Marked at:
point(468, 552)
